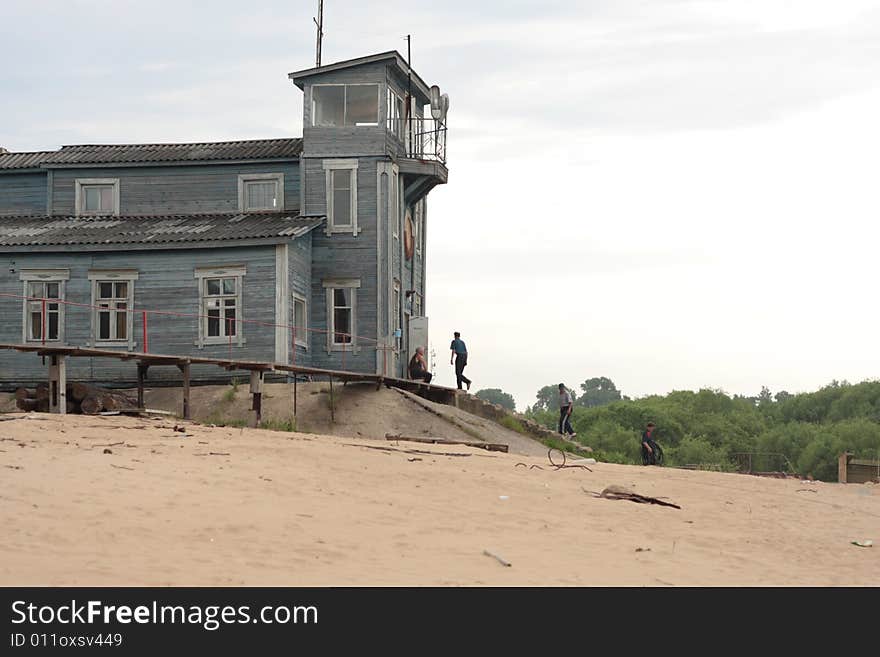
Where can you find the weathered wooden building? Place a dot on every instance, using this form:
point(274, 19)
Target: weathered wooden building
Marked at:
point(308, 248)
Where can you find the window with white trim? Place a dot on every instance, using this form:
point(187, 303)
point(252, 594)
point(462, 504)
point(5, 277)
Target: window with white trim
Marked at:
point(395, 306)
point(112, 304)
point(341, 196)
point(300, 320)
point(394, 112)
point(97, 197)
point(261, 192)
point(220, 305)
point(43, 289)
point(340, 105)
point(394, 202)
point(417, 226)
point(341, 302)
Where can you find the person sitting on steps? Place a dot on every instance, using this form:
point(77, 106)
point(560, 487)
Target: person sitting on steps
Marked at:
point(418, 366)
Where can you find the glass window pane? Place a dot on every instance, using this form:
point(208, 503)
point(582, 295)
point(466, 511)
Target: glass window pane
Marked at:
point(103, 326)
point(362, 104)
point(121, 326)
point(106, 199)
point(230, 323)
point(228, 286)
point(213, 285)
point(341, 207)
point(261, 195)
point(36, 325)
point(342, 179)
point(92, 199)
point(35, 289)
point(105, 290)
point(52, 290)
point(342, 297)
point(121, 290)
point(342, 324)
point(229, 302)
point(299, 313)
point(52, 328)
point(328, 105)
point(213, 325)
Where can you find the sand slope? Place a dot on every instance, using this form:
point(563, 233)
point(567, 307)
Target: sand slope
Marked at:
point(276, 508)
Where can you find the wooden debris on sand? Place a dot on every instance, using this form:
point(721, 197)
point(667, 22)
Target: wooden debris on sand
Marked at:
point(622, 493)
point(492, 447)
point(81, 398)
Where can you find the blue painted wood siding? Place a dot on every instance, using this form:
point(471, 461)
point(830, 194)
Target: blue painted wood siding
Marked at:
point(166, 190)
point(166, 282)
point(343, 255)
point(23, 193)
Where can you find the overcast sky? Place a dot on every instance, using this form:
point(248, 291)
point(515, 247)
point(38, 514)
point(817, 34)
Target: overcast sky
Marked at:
point(672, 193)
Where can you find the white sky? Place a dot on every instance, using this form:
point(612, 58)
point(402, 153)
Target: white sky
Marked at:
point(671, 193)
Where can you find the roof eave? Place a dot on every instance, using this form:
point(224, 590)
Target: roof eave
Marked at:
point(298, 77)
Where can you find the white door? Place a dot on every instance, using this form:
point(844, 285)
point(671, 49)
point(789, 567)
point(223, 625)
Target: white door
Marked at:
point(418, 337)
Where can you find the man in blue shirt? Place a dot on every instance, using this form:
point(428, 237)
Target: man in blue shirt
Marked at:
point(459, 352)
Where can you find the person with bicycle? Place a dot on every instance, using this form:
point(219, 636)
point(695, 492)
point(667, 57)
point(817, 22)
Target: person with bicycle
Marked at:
point(651, 452)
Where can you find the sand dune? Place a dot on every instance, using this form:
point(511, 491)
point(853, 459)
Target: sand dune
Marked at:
point(248, 507)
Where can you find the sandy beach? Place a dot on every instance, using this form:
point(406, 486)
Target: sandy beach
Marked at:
point(221, 506)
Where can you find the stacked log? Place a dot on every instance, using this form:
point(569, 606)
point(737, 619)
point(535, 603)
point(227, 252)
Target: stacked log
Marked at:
point(81, 398)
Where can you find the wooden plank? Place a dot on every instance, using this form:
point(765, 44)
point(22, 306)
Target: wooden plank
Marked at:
point(492, 447)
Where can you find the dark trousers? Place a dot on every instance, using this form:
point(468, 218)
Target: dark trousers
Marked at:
point(421, 374)
point(565, 421)
point(460, 363)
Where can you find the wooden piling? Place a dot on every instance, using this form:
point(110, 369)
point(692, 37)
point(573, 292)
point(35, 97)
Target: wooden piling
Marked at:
point(185, 369)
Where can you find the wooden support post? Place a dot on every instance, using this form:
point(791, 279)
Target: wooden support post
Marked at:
point(294, 396)
point(842, 462)
point(257, 392)
point(57, 384)
point(332, 417)
point(142, 374)
point(185, 368)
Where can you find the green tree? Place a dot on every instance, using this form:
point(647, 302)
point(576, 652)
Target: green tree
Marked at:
point(598, 391)
point(498, 396)
point(547, 399)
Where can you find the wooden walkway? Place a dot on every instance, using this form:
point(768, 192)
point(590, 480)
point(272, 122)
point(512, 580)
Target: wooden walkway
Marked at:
point(58, 378)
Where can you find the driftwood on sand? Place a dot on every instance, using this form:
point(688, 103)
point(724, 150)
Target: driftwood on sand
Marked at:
point(622, 493)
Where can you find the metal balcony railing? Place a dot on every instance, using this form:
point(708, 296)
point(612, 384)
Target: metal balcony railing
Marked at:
point(423, 138)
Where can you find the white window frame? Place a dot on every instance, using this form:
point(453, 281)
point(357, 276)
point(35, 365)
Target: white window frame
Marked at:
point(201, 274)
point(86, 182)
point(395, 310)
point(330, 166)
point(394, 201)
point(417, 226)
point(394, 116)
point(244, 179)
point(28, 276)
point(301, 339)
point(345, 123)
point(416, 304)
point(129, 276)
point(331, 284)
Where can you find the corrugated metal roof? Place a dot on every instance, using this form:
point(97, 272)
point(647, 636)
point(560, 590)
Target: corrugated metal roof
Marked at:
point(23, 160)
point(152, 231)
point(254, 149)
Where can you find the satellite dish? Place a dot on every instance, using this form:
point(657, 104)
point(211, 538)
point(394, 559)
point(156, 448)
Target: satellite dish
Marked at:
point(444, 107)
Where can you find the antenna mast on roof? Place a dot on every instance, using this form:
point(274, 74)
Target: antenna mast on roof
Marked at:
point(319, 21)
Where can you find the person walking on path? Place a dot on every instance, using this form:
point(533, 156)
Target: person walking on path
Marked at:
point(566, 404)
point(459, 353)
point(418, 366)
